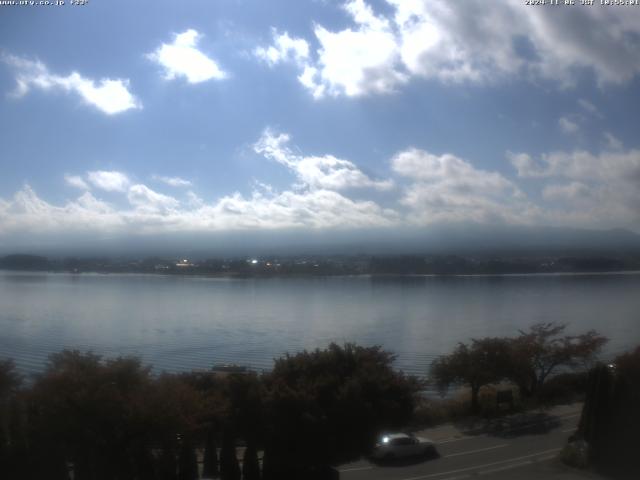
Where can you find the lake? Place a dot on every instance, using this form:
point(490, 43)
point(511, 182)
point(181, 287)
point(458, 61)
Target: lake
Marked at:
point(179, 323)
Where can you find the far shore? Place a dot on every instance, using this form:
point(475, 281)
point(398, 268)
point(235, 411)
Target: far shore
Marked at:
point(243, 276)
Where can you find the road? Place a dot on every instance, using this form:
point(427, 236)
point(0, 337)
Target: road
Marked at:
point(521, 446)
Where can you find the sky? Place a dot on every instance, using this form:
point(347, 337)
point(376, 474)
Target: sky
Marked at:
point(144, 119)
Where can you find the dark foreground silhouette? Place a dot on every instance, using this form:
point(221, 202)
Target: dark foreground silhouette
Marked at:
point(112, 419)
point(108, 419)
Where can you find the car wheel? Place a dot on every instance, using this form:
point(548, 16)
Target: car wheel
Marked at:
point(430, 451)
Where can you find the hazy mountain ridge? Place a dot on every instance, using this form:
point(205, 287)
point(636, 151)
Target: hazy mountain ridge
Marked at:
point(454, 251)
point(452, 239)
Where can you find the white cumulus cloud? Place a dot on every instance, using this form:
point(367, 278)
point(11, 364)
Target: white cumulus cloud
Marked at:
point(284, 48)
point(142, 197)
point(576, 188)
point(172, 181)
point(26, 212)
point(151, 212)
point(588, 189)
point(316, 172)
point(474, 41)
point(76, 181)
point(567, 191)
point(110, 96)
point(446, 188)
point(111, 181)
point(182, 59)
point(359, 60)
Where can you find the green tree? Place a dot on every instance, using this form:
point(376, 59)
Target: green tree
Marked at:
point(94, 413)
point(483, 362)
point(538, 352)
point(326, 406)
point(243, 410)
point(176, 409)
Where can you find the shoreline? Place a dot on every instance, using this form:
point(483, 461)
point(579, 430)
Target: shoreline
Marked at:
point(234, 276)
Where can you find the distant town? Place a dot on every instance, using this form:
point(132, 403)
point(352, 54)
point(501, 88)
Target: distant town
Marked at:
point(330, 265)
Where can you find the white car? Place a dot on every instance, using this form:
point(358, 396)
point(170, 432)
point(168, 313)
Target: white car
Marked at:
point(400, 445)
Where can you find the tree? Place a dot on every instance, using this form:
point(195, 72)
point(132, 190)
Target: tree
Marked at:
point(10, 381)
point(187, 461)
point(250, 464)
point(210, 463)
point(270, 470)
point(326, 406)
point(483, 362)
point(229, 467)
point(175, 409)
point(13, 444)
point(243, 409)
point(538, 352)
point(94, 413)
point(167, 464)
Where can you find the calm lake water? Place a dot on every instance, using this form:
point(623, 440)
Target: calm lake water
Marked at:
point(180, 323)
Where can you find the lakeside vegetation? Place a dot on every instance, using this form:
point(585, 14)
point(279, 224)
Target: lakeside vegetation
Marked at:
point(527, 360)
point(112, 419)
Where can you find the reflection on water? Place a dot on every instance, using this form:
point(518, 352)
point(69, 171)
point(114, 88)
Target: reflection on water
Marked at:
point(179, 323)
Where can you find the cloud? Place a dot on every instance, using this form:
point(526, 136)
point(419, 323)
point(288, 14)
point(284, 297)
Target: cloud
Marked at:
point(613, 143)
point(314, 203)
point(76, 181)
point(589, 107)
point(576, 188)
point(360, 60)
point(588, 189)
point(111, 181)
point(467, 42)
point(110, 96)
point(446, 188)
point(354, 61)
point(568, 126)
point(172, 181)
point(317, 209)
point(28, 213)
point(580, 164)
point(525, 165)
point(284, 48)
point(182, 59)
point(142, 197)
point(316, 172)
point(152, 213)
point(295, 50)
point(568, 191)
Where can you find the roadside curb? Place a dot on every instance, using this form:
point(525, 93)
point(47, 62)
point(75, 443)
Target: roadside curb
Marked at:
point(500, 426)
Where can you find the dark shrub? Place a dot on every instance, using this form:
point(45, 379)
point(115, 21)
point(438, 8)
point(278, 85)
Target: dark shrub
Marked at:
point(250, 464)
point(563, 388)
point(210, 467)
